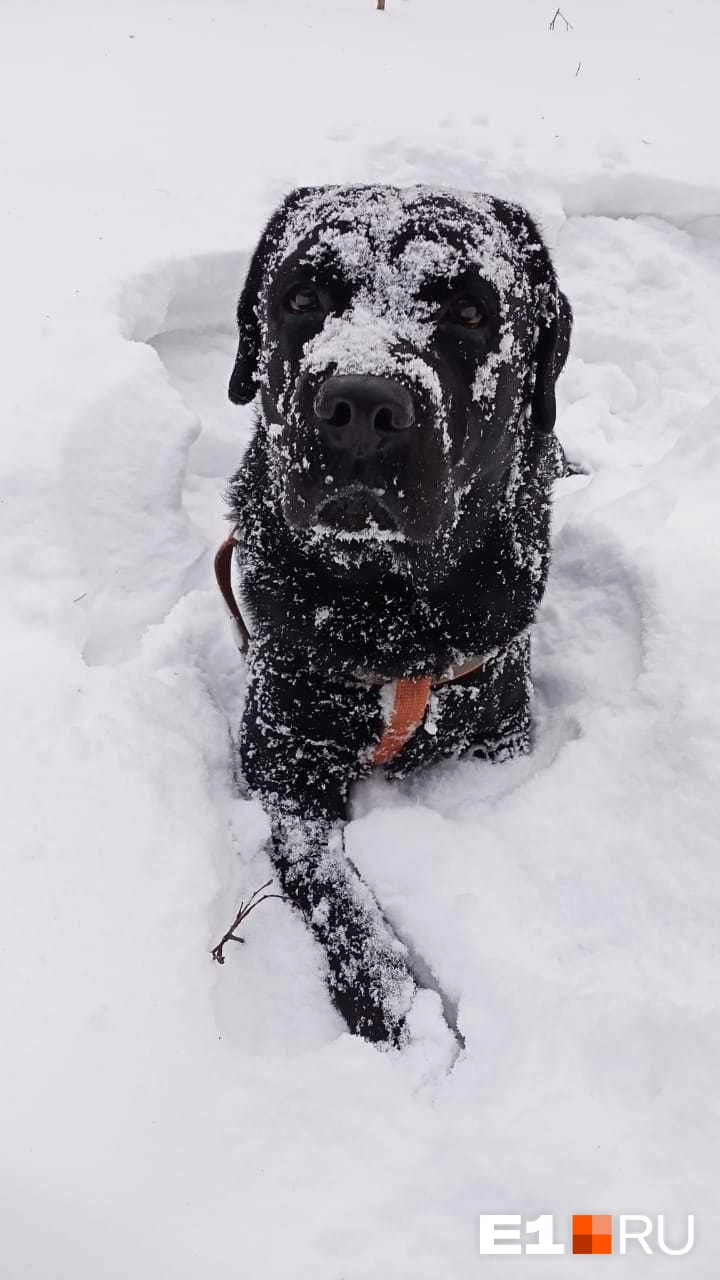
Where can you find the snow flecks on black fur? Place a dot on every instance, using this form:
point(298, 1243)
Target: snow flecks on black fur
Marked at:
point(460, 564)
point(368, 975)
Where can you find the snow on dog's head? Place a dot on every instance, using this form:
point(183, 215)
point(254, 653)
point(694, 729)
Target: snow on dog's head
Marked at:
point(403, 341)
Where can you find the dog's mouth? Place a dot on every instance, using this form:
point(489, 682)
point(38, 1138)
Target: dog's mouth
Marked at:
point(358, 511)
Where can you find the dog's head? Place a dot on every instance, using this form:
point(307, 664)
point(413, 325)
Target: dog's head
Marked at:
point(403, 342)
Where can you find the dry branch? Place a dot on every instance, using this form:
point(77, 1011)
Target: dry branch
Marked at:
point(244, 911)
point(559, 14)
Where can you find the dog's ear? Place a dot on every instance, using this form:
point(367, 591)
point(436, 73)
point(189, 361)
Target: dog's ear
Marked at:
point(551, 353)
point(243, 380)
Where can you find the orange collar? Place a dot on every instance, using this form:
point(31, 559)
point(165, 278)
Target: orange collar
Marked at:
point(410, 702)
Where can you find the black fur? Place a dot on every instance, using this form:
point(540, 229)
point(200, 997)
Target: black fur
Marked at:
point(429, 546)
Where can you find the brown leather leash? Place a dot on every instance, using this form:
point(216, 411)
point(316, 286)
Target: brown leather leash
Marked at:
point(223, 577)
point(410, 696)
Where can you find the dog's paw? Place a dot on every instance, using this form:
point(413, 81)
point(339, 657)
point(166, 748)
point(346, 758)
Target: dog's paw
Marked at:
point(512, 738)
point(375, 995)
point(432, 1048)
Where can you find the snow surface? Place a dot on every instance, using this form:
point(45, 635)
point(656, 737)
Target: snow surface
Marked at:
point(163, 1116)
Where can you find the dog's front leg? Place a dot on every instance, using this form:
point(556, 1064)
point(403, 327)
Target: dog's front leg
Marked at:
point(301, 743)
point(368, 976)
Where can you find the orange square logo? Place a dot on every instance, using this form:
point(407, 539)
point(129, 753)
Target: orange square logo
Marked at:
point(592, 1233)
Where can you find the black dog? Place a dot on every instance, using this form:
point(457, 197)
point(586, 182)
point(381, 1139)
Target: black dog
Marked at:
point(393, 515)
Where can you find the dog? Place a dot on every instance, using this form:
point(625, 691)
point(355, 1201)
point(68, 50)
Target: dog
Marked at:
point(392, 518)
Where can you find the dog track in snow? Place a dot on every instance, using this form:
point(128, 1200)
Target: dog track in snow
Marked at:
point(618, 399)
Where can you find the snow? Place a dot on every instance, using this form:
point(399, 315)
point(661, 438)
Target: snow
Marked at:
point(161, 1115)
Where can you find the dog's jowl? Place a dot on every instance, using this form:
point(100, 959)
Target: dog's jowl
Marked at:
point(392, 517)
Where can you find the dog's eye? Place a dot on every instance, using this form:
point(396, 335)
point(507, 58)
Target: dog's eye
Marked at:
point(302, 299)
point(467, 312)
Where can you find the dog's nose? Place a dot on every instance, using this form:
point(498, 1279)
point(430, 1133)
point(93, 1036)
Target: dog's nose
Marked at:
point(362, 414)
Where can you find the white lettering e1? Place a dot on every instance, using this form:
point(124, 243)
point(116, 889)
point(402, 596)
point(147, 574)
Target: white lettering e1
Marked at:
point(496, 1228)
point(543, 1228)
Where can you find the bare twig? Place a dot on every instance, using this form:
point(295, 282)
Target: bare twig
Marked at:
point(559, 14)
point(253, 901)
point(577, 70)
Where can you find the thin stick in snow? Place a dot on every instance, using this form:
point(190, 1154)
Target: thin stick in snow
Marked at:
point(253, 901)
point(559, 14)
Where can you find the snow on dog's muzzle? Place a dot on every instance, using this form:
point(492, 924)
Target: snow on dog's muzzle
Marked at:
point(369, 446)
point(366, 344)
